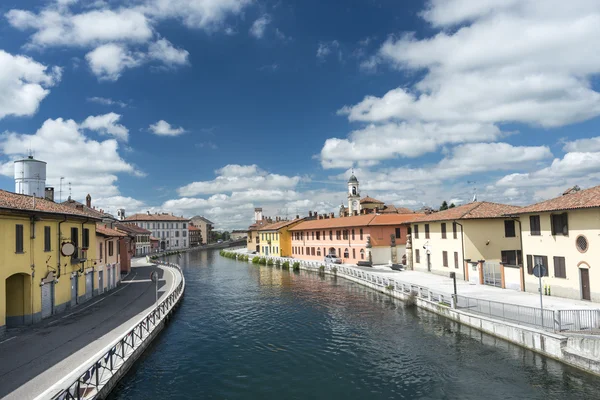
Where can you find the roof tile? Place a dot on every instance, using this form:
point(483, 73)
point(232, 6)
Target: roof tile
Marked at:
point(587, 198)
point(475, 210)
point(21, 202)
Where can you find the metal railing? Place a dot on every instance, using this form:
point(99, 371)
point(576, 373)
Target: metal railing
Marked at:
point(90, 383)
point(553, 320)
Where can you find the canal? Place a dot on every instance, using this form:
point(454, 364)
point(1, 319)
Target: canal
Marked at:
point(249, 332)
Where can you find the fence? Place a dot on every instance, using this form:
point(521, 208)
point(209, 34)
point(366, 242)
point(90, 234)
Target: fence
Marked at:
point(89, 384)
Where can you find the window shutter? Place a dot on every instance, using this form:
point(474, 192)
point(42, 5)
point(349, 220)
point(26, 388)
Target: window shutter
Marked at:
point(529, 264)
point(552, 224)
point(565, 219)
point(545, 262)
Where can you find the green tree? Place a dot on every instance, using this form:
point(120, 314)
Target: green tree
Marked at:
point(444, 206)
point(451, 205)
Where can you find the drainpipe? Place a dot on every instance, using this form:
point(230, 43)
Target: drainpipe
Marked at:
point(522, 255)
point(59, 244)
point(462, 240)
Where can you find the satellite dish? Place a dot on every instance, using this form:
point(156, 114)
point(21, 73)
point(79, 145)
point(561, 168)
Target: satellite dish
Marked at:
point(67, 249)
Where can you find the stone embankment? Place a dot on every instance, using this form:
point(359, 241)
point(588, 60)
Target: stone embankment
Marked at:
point(96, 378)
point(581, 351)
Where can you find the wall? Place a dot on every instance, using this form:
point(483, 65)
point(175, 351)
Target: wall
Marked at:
point(43, 262)
point(383, 254)
point(512, 278)
point(253, 240)
point(580, 222)
point(437, 246)
point(270, 246)
point(299, 247)
point(479, 231)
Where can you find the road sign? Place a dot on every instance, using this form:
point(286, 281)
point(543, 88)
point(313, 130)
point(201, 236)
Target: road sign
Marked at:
point(154, 276)
point(539, 270)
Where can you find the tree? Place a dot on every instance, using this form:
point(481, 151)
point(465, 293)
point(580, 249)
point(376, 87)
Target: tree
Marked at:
point(444, 206)
point(451, 205)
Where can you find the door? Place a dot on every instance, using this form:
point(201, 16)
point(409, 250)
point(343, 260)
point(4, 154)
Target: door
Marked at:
point(109, 280)
point(47, 295)
point(74, 294)
point(585, 284)
point(89, 285)
point(100, 282)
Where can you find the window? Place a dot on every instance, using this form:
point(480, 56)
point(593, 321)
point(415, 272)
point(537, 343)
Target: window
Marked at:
point(176, 233)
point(308, 251)
point(100, 251)
point(454, 233)
point(445, 258)
point(184, 233)
point(338, 235)
point(511, 257)
point(75, 237)
point(184, 243)
point(559, 224)
point(47, 240)
point(352, 234)
point(361, 234)
point(581, 243)
point(177, 242)
point(397, 233)
point(330, 235)
point(110, 248)
point(353, 253)
point(312, 251)
point(532, 261)
point(19, 238)
point(345, 234)
point(339, 253)
point(86, 238)
point(443, 230)
point(559, 267)
point(346, 253)
point(416, 231)
point(456, 259)
point(362, 254)
point(318, 235)
point(417, 256)
point(426, 231)
point(318, 250)
point(509, 228)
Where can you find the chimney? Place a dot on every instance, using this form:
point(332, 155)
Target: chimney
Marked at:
point(79, 206)
point(310, 214)
point(297, 216)
point(88, 201)
point(148, 212)
point(331, 215)
point(49, 193)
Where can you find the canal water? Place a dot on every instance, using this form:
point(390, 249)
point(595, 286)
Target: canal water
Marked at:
point(249, 332)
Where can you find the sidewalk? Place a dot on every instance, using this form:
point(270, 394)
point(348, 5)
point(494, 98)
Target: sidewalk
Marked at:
point(32, 360)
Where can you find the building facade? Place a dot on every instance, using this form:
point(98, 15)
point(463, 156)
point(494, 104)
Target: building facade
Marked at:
point(108, 262)
point(172, 231)
point(468, 240)
point(41, 242)
point(140, 238)
point(561, 234)
point(195, 235)
point(206, 227)
point(275, 238)
point(239, 234)
point(374, 238)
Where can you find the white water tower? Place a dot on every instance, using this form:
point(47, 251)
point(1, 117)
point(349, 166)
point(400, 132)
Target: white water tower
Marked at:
point(30, 177)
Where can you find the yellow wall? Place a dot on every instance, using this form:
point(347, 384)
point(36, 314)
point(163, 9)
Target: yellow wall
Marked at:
point(35, 263)
point(281, 241)
point(252, 235)
point(437, 246)
point(485, 240)
point(584, 222)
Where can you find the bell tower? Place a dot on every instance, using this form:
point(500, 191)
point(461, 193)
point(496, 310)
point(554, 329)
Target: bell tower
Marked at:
point(353, 195)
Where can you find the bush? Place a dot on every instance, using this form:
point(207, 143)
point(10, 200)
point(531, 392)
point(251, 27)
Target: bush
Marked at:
point(262, 261)
point(296, 266)
point(278, 263)
point(256, 260)
point(334, 270)
point(285, 265)
point(270, 262)
point(390, 287)
point(322, 268)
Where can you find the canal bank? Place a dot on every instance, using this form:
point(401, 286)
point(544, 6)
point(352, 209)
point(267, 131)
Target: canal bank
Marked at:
point(245, 332)
point(576, 350)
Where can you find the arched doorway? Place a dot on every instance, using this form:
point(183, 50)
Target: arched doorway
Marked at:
point(332, 251)
point(18, 300)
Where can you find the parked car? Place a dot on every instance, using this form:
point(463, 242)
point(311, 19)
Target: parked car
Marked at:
point(332, 259)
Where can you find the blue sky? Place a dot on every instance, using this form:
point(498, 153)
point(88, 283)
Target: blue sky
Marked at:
point(215, 107)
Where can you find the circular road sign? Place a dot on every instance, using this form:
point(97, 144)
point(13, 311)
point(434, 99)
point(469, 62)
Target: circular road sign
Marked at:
point(154, 276)
point(539, 270)
point(67, 249)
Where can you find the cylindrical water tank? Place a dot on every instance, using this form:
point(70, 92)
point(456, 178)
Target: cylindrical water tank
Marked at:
point(30, 177)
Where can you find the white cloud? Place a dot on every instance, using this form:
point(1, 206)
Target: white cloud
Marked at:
point(327, 48)
point(90, 166)
point(24, 84)
point(583, 145)
point(235, 178)
point(163, 128)
point(164, 51)
point(259, 26)
point(108, 61)
point(107, 124)
point(107, 102)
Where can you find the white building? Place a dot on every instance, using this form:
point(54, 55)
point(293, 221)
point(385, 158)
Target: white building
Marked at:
point(30, 177)
point(172, 231)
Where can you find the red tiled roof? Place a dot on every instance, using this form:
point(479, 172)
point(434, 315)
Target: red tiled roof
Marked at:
point(155, 217)
point(476, 210)
point(392, 219)
point(278, 225)
point(193, 228)
point(21, 202)
point(255, 226)
point(370, 200)
point(153, 239)
point(91, 211)
point(587, 198)
point(106, 231)
point(130, 228)
point(342, 222)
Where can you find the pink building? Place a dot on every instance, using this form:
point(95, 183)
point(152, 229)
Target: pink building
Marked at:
point(108, 264)
point(352, 239)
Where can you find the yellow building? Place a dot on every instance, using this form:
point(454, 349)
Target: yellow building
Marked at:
point(478, 241)
point(47, 258)
point(276, 239)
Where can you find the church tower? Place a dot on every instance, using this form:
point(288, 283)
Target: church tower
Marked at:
point(353, 195)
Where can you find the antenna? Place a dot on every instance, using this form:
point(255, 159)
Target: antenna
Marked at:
point(474, 190)
point(70, 190)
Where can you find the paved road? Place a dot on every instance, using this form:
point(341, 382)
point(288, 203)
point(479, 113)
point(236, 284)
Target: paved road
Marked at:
point(28, 352)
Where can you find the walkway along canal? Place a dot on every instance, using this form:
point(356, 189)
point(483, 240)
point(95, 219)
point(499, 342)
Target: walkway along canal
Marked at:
point(249, 332)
